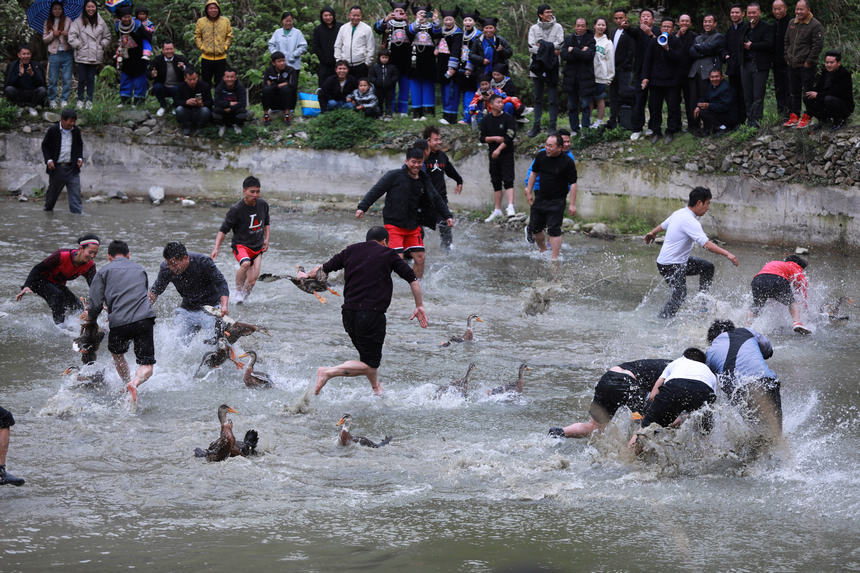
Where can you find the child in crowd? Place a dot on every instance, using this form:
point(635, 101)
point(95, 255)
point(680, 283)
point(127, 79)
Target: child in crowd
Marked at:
point(364, 99)
point(481, 101)
point(142, 16)
point(384, 77)
point(503, 83)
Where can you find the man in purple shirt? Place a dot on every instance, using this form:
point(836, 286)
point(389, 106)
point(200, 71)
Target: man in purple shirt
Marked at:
point(367, 294)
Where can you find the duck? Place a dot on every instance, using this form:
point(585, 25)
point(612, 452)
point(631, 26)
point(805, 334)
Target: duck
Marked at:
point(223, 352)
point(91, 381)
point(515, 386)
point(255, 379)
point(88, 342)
point(232, 329)
point(461, 385)
point(832, 309)
point(313, 285)
point(226, 445)
point(344, 438)
point(469, 335)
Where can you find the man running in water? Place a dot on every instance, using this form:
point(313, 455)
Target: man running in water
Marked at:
point(249, 221)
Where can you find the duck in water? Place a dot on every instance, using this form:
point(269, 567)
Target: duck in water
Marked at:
point(469, 335)
point(226, 445)
point(515, 386)
point(461, 385)
point(344, 438)
point(255, 379)
point(90, 380)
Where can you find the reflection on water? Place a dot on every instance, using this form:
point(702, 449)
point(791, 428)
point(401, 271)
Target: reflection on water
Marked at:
point(467, 484)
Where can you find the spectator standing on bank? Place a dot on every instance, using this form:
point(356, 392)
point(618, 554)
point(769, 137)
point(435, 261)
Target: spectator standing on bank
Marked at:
point(832, 97)
point(63, 152)
point(422, 81)
point(213, 35)
point(546, 37)
point(133, 84)
point(168, 72)
point(804, 40)
point(354, 44)
point(384, 76)
point(621, 90)
point(447, 52)
point(780, 68)
point(322, 43)
point(55, 34)
point(290, 42)
point(195, 103)
point(604, 70)
point(489, 48)
point(757, 51)
point(733, 57)
point(395, 36)
point(90, 37)
point(25, 81)
point(660, 75)
point(467, 76)
point(643, 34)
point(229, 103)
point(707, 53)
point(577, 53)
point(687, 38)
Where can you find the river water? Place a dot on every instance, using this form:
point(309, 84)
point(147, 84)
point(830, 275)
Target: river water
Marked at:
point(466, 485)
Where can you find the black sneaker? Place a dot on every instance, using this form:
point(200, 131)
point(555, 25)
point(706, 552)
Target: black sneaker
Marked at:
point(556, 432)
point(8, 479)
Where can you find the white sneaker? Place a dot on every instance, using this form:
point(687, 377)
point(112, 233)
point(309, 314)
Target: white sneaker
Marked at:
point(443, 121)
point(635, 135)
point(33, 111)
point(80, 104)
point(596, 124)
point(573, 134)
point(237, 129)
point(220, 131)
point(119, 106)
point(160, 112)
point(510, 211)
point(528, 110)
point(493, 216)
point(239, 297)
point(89, 105)
point(53, 104)
point(648, 131)
point(64, 104)
point(403, 114)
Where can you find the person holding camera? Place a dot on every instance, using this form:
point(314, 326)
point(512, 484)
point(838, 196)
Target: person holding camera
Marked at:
point(545, 40)
point(25, 82)
point(195, 103)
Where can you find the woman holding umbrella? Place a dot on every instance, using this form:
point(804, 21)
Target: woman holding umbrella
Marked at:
point(89, 36)
point(55, 33)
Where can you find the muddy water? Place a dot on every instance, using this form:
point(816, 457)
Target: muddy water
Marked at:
point(467, 484)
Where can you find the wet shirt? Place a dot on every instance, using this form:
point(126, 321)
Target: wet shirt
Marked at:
point(247, 223)
point(201, 283)
point(367, 275)
point(684, 368)
point(58, 268)
point(646, 370)
point(122, 286)
point(788, 270)
point(682, 230)
point(557, 174)
point(750, 362)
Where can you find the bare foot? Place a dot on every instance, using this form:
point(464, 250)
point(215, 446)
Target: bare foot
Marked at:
point(377, 389)
point(132, 387)
point(321, 380)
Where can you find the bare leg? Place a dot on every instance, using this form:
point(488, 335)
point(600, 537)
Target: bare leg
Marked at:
point(241, 276)
point(794, 309)
point(497, 199)
point(540, 241)
point(349, 368)
point(4, 445)
point(582, 429)
point(601, 108)
point(144, 371)
point(419, 257)
point(509, 193)
point(253, 273)
point(121, 367)
point(555, 243)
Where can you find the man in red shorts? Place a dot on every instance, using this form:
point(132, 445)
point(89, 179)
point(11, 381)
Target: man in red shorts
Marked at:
point(249, 221)
point(410, 198)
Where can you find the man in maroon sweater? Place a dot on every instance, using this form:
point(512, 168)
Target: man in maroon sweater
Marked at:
point(367, 294)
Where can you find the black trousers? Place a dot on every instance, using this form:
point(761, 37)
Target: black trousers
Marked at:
point(672, 96)
point(676, 277)
point(324, 72)
point(780, 88)
point(755, 86)
point(359, 71)
point(551, 86)
point(827, 108)
point(640, 99)
point(688, 92)
point(712, 120)
point(800, 81)
point(211, 71)
point(228, 119)
point(675, 397)
point(738, 88)
point(32, 98)
point(59, 298)
point(281, 98)
point(620, 93)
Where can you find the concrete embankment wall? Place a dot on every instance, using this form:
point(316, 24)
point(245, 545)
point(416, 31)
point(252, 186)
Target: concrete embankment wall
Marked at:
point(744, 209)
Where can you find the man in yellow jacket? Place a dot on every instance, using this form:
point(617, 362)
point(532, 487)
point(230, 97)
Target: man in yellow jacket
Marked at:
point(213, 36)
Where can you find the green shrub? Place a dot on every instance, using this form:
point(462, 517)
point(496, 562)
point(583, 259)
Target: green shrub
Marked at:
point(743, 133)
point(341, 129)
point(8, 114)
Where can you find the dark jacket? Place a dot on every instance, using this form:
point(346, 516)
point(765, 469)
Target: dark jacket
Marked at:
point(707, 51)
point(134, 65)
point(438, 166)
point(720, 99)
point(185, 93)
point(454, 42)
point(201, 283)
point(733, 53)
point(687, 59)
point(780, 27)
point(223, 97)
point(642, 41)
point(383, 76)
point(625, 51)
point(761, 49)
point(407, 205)
point(579, 63)
point(661, 66)
point(51, 146)
point(331, 89)
point(803, 42)
point(159, 64)
point(836, 84)
point(24, 82)
point(322, 41)
point(500, 56)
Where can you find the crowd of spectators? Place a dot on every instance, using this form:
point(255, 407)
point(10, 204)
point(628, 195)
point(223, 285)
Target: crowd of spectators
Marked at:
point(398, 63)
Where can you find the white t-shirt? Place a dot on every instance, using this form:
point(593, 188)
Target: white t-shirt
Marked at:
point(682, 229)
point(691, 370)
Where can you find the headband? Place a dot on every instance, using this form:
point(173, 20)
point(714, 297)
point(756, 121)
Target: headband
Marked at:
point(86, 242)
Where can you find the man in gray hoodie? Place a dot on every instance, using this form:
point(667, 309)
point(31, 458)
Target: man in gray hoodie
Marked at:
point(122, 286)
point(545, 40)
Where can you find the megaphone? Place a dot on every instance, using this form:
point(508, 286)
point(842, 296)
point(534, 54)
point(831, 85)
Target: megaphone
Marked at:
point(663, 39)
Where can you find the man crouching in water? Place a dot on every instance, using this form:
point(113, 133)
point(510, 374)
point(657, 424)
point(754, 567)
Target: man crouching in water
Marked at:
point(367, 295)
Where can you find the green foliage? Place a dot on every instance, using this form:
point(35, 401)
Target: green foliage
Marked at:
point(13, 27)
point(341, 129)
point(8, 114)
point(743, 133)
point(589, 137)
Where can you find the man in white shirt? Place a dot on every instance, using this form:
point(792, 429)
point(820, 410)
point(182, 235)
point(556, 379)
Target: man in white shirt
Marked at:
point(674, 262)
point(355, 44)
point(685, 385)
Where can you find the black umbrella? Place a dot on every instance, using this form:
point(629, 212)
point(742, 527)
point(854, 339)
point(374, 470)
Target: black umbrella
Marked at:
point(40, 10)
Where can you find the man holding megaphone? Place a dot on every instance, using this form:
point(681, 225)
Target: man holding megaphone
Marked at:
point(662, 73)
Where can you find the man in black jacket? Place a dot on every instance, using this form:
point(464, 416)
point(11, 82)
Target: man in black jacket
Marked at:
point(322, 43)
point(577, 54)
point(167, 71)
point(780, 68)
point(367, 295)
point(733, 57)
point(229, 103)
point(757, 55)
point(707, 52)
point(660, 74)
point(832, 98)
point(63, 151)
point(621, 89)
point(25, 81)
point(408, 192)
point(195, 102)
point(337, 87)
point(687, 38)
point(643, 34)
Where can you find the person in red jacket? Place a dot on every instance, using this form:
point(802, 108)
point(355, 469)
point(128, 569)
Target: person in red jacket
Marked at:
point(781, 280)
point(48, 278)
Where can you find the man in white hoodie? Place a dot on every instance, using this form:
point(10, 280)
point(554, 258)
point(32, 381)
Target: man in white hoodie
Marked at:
point(355, 45)
point(544, 66)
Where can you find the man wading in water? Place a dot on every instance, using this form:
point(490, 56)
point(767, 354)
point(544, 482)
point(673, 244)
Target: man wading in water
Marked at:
point(367, 294)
